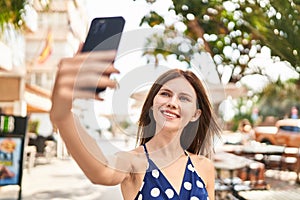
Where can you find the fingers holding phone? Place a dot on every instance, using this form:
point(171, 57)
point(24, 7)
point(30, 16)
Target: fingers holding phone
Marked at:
point(79, 76)
point(104, 34)
point(87, 73)
point(93, 75)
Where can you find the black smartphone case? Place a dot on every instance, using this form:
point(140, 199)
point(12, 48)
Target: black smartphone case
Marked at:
point(104, 34)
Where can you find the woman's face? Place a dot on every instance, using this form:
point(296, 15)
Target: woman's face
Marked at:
point(174, 106)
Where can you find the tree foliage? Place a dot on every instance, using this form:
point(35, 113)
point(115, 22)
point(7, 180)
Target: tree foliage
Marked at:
point(11, 12)
point(278, 99)
point(234, 31)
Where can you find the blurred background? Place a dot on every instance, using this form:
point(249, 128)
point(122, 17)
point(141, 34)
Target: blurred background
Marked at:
point(247, 53)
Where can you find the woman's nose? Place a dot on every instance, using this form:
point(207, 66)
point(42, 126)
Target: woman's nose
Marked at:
point(173, 102)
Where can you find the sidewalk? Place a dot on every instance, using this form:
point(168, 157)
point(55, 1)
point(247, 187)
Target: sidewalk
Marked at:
point(58, 180)
point(61, 179)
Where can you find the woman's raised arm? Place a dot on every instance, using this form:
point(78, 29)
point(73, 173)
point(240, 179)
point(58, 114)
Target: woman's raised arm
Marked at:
point(78, 77)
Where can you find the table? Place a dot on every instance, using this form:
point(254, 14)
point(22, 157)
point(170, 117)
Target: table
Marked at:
point(256, 148)
point(224, 161)
point(264, 153)
point(230, 162)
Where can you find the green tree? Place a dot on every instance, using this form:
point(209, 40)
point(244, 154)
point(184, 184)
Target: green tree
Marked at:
point(232, 31)
point(278, 99)
point(11, 12)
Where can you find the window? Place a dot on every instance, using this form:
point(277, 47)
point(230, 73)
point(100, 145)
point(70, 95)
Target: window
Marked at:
point(294, 129)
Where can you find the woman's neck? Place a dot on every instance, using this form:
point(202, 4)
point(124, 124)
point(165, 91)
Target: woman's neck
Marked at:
point(164, 148)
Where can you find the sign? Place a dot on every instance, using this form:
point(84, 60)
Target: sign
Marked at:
point(13, 125)
point(10, 158)
point(11, 87)
point(12, 137)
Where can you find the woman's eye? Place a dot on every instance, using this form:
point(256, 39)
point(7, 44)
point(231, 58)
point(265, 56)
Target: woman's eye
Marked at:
point(166, 94)
point(183, 98)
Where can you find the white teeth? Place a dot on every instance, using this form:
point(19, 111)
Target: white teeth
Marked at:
point(169, 114)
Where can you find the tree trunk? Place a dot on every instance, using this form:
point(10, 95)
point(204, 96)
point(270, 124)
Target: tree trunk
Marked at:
point(196, 29)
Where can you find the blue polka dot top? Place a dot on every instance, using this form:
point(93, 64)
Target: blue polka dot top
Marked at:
point(156, 186)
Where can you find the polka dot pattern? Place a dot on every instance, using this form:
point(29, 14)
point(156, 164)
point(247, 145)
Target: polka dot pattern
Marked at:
point(155, 185)
point(155, 173)
point(155, 192)
point(140, 197)
point(187, 185)
point(170, 193)
point(199, 184)
point(191, 168)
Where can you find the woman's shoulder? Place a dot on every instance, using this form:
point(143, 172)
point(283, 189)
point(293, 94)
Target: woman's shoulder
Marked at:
point(201, 162)
point(133, 153)
point(136, 158)
point(204, 168)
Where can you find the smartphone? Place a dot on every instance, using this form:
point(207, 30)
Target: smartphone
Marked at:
point(104, 34)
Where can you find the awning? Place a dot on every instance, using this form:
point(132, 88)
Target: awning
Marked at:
point(38, 100)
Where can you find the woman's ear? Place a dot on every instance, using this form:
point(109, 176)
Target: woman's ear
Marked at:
point(196, 115)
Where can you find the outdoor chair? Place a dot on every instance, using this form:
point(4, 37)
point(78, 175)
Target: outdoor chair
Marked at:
point(291, 160)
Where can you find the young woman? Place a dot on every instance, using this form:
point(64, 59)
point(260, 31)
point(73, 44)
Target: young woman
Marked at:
point(176, 128)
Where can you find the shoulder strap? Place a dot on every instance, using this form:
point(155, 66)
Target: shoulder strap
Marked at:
point(186, 153)
point(146, 151)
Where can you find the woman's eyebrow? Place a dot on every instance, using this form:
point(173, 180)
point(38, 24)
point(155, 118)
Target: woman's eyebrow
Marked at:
point(166, 89)
point(181, 93)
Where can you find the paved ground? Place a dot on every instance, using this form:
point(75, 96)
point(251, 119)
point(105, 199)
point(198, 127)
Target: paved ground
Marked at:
point(62, 179)
point(59, 180)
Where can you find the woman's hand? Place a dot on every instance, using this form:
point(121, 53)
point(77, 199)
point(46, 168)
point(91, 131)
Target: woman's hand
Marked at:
point(78, 77)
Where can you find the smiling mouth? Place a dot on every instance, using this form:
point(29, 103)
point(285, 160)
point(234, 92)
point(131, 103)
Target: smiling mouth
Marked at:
point(169, 114)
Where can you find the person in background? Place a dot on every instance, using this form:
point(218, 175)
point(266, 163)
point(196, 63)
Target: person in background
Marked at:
point(247, 132)
point(175, 132)
point(294, 112)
